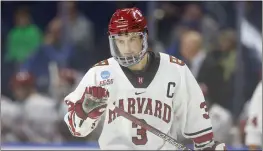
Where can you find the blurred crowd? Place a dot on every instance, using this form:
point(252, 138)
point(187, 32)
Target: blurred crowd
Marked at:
point(42, 61)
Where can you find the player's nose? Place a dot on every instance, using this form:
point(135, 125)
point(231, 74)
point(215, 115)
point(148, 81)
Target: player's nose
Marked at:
point(127, 49)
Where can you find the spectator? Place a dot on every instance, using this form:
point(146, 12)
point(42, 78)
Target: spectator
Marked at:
point(192, 51)
point(24, 38)
point(52, 51)
point(81, 30)
point(175, 46)
point(210, 69)
point(219, 70)
point(196, 57)
point(39, 116)
point(215, 69)
point(194, 18)
point(227, 62)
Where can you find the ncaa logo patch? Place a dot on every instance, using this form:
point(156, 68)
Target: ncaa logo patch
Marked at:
point(105, 74)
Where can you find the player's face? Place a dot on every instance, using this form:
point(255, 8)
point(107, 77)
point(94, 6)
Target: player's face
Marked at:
point(129, 44)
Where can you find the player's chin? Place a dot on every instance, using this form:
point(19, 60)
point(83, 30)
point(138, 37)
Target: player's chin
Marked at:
point(128, 54)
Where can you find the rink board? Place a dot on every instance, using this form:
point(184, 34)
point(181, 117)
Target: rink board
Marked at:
point(67, 146)
point(62, 146)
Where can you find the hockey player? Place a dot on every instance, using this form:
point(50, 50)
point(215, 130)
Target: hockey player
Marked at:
point(253, 127)
point(39, 116)
point(154, 87)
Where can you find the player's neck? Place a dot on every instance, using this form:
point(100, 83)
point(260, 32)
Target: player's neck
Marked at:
point(141, 65)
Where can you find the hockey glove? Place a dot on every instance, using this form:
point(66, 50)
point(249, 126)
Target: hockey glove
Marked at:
point(93, 103)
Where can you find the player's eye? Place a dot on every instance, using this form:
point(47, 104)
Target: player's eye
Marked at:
point(120, 41)
point(133, 38)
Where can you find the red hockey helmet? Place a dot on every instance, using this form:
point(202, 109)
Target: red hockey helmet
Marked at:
point(22, 79)
point(131, 23)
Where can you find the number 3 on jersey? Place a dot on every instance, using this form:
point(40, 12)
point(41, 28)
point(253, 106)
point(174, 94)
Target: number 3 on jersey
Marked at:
point(141, 138)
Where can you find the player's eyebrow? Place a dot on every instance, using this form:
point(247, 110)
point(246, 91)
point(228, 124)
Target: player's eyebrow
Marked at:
point(126, 38)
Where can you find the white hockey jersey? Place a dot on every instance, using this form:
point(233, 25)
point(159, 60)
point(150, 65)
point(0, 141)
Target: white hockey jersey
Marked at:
point(164, 95)
point(253, 127)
